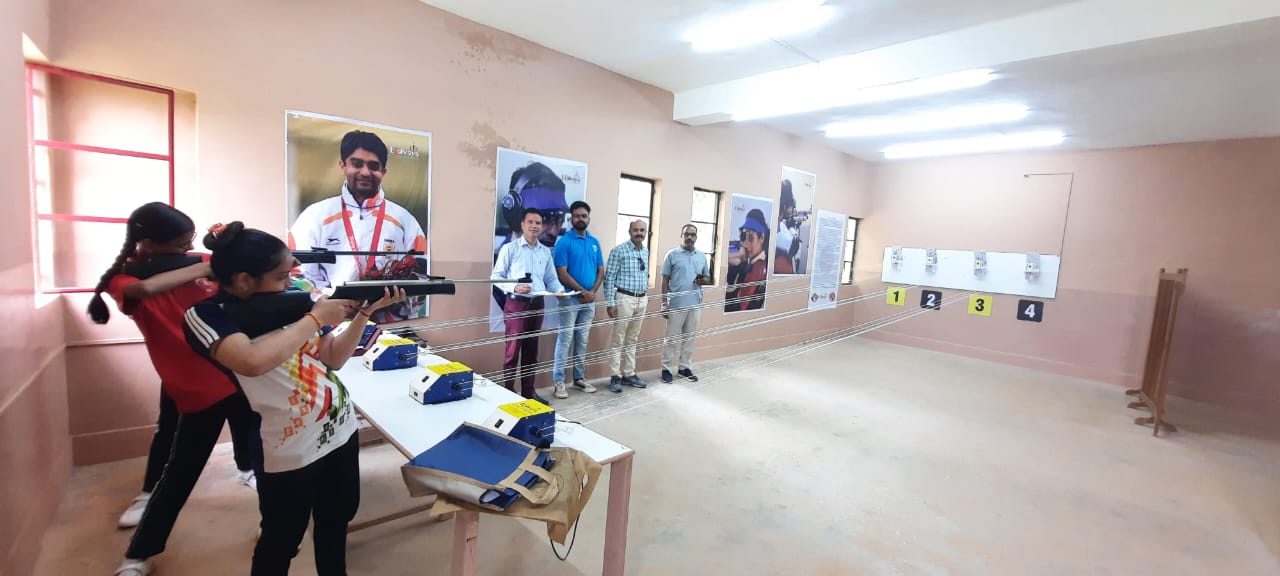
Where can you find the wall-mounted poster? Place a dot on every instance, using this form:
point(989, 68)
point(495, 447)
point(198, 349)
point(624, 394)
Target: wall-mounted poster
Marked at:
point(824, 283)
point(548, 184)
point(748, 255)
point(792, 232)
point(356, 186)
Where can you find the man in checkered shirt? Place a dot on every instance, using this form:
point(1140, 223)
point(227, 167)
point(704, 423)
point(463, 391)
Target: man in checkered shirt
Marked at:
point(626, 281)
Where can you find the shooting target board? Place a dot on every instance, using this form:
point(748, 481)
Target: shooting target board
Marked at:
point(1014, 273)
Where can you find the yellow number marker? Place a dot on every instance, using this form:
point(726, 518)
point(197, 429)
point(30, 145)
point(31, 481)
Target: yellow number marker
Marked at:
point(980, 304)
point(896, 297)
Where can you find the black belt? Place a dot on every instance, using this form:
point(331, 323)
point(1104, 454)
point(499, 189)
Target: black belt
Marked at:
point(633, 294)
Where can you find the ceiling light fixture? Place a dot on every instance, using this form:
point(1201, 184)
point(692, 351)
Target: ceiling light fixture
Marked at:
point(833, 93)
point(758, 24)
point(944, 119)
point(992, 143)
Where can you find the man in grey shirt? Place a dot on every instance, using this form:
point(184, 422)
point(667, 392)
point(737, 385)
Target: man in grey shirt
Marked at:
point(684, 273)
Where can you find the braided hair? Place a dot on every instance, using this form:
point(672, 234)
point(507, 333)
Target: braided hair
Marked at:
point(155, 221)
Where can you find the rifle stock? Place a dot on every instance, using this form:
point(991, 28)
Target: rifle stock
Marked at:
point(160, 264)
point(263, 313)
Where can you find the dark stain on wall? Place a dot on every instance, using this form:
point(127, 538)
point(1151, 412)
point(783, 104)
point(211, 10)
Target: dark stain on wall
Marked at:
point(490, 47)
point(481, 146)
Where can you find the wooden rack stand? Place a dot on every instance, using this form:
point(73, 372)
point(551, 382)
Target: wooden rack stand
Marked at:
point(1155, 373)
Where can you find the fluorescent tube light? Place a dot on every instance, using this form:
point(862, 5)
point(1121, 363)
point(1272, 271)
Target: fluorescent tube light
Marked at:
point(830, 93)
point(975, 145)
point(758, 24)
point(947, 118)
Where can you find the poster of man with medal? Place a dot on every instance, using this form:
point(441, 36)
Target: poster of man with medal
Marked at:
point(354, 186)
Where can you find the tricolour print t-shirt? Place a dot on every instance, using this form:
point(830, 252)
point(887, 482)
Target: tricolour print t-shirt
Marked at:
point(306, 412)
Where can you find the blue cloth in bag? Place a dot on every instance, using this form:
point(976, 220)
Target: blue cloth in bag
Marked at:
point(484, 467)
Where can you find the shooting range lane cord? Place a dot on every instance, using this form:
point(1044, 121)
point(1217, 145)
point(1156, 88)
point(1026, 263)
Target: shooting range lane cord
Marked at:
point(603, 355)
point(484, 320)
point(597, 411)
point(651, 312)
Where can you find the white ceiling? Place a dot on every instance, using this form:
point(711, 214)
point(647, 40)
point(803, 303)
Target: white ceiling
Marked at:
point(1138, 78)
point(642, 39)
point(1212, 85)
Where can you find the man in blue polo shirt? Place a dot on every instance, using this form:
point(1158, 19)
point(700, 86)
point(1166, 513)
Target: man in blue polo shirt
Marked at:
point(684, 273)
point(580, 266)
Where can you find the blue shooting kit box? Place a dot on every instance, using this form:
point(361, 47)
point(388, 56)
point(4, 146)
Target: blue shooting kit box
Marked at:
point(442, 383)
point(528, 420)
point(391, 353)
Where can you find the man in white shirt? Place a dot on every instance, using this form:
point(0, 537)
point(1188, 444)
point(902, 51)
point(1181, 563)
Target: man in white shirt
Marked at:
point(361, 218)
point(522, 312)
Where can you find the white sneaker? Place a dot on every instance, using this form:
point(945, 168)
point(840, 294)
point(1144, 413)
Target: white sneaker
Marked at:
point(247, 478)
point(132, 567)
point(584, 386)
point(561, 392)
point(133, 515)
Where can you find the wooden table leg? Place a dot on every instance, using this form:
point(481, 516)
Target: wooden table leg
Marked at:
point(356, 527)
point(615, 523)
point(466, 530)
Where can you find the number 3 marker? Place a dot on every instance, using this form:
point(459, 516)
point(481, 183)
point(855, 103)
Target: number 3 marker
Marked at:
point(980, 304)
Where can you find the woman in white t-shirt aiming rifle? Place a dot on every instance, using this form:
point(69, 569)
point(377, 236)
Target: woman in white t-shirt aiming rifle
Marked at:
point(311, 468)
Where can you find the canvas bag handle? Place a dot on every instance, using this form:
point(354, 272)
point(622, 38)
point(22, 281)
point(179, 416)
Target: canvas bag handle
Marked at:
point(553, 483)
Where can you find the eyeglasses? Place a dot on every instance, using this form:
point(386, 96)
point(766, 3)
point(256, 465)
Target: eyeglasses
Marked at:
point(641, 261)
point(358, 164)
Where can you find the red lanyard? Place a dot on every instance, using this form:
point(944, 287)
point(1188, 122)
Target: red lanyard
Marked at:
point(377, 233)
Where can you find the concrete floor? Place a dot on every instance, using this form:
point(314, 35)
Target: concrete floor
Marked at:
point(855, 458)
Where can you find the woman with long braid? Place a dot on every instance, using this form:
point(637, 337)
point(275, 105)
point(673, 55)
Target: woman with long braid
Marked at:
point(154, 288)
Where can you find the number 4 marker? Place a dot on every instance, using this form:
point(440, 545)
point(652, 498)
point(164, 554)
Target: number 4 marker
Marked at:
point(1031, 310)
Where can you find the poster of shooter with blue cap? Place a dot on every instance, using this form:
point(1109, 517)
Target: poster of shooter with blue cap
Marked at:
point(748, 255)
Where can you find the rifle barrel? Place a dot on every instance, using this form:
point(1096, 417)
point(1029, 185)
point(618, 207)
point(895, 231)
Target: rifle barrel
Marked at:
point(425, 282)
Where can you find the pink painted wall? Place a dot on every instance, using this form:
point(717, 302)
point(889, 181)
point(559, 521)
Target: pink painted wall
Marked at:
point(1208, 207)
point(35, 452)
point(1132, 211)
point(472, 87)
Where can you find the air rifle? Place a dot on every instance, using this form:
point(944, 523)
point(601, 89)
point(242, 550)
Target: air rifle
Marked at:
point(799, 216)
point(267, 311)
point(325, 256)
point(168, 262)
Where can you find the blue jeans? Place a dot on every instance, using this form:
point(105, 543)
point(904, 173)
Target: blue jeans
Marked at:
point(575, 324)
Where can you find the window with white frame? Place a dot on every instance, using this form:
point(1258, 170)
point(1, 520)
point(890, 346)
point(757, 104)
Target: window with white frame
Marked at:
point(850, 249)
point(635, 202)
point(706, 216)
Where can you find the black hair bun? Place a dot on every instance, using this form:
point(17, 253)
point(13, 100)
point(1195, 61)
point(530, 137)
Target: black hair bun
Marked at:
point(221, 236)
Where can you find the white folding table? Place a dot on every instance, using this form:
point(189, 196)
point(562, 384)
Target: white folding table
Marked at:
point(383, 398)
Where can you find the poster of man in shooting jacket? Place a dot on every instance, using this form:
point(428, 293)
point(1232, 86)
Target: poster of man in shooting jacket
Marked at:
point(353, 186)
